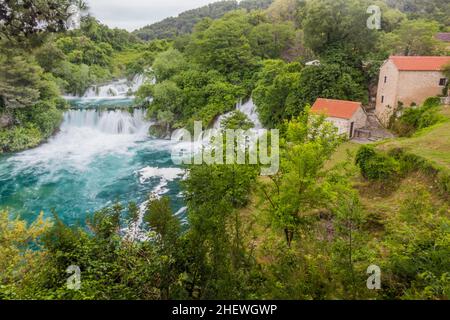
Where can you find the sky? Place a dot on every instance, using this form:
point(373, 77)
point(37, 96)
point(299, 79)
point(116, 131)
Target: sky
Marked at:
point(134, 14)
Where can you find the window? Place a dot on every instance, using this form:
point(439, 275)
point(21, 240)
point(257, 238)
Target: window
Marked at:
point(382, 99)
point(443, 82)
point(385, 79)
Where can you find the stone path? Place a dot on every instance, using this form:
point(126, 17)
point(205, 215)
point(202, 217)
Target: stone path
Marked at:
point(373, 131)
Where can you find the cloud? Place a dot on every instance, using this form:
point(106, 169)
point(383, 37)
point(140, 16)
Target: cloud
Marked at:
point(134, 14)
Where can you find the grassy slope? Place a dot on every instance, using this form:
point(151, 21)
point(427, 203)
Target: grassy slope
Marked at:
point(433, 143)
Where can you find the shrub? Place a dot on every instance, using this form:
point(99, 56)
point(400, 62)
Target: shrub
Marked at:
point(414, 119)
point(19, 138)
point(238, 120)
point(44, 116)
point(376, 166)
point(432, 102)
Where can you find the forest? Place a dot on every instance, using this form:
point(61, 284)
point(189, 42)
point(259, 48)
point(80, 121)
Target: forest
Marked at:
point(184, 24)
point(309, 232)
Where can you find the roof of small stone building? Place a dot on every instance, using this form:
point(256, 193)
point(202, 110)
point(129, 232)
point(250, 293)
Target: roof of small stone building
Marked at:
point(336, 108)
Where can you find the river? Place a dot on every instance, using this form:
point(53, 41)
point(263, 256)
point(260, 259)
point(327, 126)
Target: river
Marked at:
point(99, 156)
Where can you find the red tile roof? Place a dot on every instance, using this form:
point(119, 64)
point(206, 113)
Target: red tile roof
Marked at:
point(443, 36)
point(336, 108)
point(417, 63)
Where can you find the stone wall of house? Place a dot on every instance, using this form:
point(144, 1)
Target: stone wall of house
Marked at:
point(359, 118)
point(387, 91)
point(417, 86)
point(407, 87)
point(343, 125)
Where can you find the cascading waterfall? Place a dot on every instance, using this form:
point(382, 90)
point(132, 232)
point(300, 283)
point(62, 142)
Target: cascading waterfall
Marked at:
point(107, 121)
point(248, 108)
point(118, 89)
point(97, 157)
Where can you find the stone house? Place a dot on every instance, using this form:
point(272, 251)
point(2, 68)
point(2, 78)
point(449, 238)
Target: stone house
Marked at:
point(408, 81)
point(347, 116)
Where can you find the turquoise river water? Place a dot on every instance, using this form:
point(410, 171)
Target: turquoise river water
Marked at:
point(99, 156)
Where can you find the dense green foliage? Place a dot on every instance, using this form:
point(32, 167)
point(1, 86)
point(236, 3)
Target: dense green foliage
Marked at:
point(417, 118)
point(376, 166)
point(23, 19)
point(262, 54)
point(431, 9)
point(237, 120)
point(184, 24)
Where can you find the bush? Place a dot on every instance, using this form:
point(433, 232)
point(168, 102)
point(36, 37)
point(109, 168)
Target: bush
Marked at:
point(19, 138)
point(46, 117)
point(415, 119)
point(432, 102)
point(375, 166)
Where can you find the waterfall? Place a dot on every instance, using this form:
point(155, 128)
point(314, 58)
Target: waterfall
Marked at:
point(86, 134)
point(248, 108)
point(114, 122)
point(118, 89)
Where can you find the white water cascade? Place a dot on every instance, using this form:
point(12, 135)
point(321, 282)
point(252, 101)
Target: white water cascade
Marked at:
point(248, 108)
point(118, 89)
point(87, 134)
point(113, 122)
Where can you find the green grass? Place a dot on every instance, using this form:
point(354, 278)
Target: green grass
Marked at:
point(341, 154)
point(432, 144)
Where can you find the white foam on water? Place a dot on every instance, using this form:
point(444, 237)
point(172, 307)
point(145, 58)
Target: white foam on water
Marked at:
point(136, 232)
point(166, 174)
point(118, 89)
point(85, 135)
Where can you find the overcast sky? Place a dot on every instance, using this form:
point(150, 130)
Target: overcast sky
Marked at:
point(134, 14)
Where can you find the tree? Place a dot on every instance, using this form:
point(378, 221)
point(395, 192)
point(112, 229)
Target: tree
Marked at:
point(283, 90)
point(20, 79)
point(284, 10)
point(167, 64)
point(416, 9)
point(276, 92)
point(224, 47)
point(413, 38)
point(333, 81)
point(417, 267)
point(21, 19)
point(301, 185)
point(237, 120)
point(167, 96)
point(219, 258)
point(18, 254)
point(338, 23)
point(270, 41)
point(187, 21)
point(349, 258)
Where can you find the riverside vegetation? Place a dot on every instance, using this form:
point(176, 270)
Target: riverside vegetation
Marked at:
point(308, 232)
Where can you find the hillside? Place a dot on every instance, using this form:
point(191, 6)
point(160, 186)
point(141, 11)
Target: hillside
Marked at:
point(433, 144)
point(185, 22)
point(401, 220)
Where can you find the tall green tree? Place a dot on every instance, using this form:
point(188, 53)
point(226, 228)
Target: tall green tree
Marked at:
point(413, 38)
point(224, 47)
point(338, 23)
point(301, 185)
